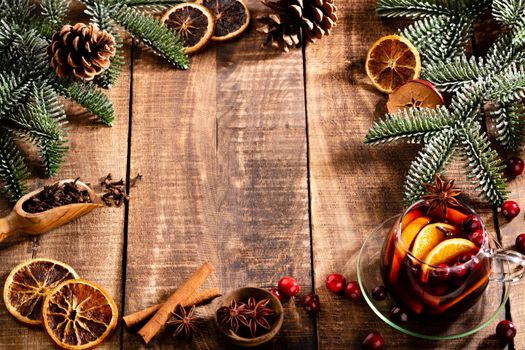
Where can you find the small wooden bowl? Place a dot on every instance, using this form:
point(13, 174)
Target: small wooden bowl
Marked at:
point(242, 294)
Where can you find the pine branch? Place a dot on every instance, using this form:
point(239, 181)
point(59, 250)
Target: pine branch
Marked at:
point(508, 12)
point(152, 6)
point(508, 86)
point(439, 38)
point(53, 12)
point(151, 32)
point(509, 122)
point(454, 74)
point(12, 91)
point(484, 164)
point(101, 16)
point(13, 171)
point(431, 160)
point(88, 96)
point(413, 125)
point(412, 8)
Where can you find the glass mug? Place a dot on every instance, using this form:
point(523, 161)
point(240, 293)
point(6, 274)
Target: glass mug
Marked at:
point(464, 270)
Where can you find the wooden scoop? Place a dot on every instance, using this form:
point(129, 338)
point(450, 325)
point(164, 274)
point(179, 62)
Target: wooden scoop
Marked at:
point(37, 223)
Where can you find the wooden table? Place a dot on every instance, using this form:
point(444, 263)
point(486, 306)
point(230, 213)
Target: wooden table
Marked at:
point(254, 161)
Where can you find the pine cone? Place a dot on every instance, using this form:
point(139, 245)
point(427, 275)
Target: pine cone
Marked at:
point(82, 51)
point(297, 21)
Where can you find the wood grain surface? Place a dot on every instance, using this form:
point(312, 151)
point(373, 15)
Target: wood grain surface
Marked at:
point(253, 161)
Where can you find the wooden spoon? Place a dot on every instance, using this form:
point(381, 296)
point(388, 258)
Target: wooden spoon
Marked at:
point(37, 223)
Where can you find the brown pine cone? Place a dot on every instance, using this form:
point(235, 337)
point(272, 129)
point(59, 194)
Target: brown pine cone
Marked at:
point(297, 21)
point(82, 51)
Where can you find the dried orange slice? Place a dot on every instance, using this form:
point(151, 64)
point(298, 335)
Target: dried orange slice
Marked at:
point(193, 22)
point(429, 237)
point(28, 284)
point(231, 17)
point(391, 62)
point(78, 314)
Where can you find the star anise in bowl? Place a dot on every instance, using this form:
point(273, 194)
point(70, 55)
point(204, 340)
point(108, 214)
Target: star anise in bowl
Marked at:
point(249, 316)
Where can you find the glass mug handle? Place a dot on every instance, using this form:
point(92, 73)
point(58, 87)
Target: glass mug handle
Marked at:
point(514, 259)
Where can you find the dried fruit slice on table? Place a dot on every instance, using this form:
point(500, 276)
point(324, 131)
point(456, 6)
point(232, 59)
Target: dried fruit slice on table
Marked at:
point(193, 22)
point(28, 284)
point(415, 93)
point(231, 17)
point(391, 62)
point(79, 315)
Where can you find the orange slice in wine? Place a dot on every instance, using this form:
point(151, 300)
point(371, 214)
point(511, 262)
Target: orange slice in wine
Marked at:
point(446, 252)
point(29, 283)
point(391, 62)
point(430, 236)
point(79, 314)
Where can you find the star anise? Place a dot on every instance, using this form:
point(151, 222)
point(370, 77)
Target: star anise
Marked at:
point(441, 195)
point(184, 321)
point(233, 316)
point(259, 315)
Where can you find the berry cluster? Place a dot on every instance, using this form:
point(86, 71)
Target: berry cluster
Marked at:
point(288, 287)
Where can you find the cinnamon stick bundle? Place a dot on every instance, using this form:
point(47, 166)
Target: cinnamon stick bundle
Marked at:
point(181, 294)
point(201, 298)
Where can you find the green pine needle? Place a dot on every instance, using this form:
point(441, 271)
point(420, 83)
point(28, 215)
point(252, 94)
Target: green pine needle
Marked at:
point(13, 171)
point(509, 122)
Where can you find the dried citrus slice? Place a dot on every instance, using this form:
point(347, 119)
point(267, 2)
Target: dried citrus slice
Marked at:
point(78, 314)
point(231, 17)
point(414, 94)
point(28, 284)
point(193, 22)
point(391, 62)
point(430, 236)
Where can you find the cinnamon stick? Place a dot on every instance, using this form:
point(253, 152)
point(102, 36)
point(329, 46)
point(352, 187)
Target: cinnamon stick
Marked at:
point(200, 298)
point(181, 294)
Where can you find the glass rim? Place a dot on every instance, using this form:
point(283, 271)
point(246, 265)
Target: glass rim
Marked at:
point(481, 251)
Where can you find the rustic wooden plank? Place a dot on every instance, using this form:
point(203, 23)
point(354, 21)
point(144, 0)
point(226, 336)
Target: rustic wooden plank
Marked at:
point(354, 187)
point(92, 245)
point(222, 148)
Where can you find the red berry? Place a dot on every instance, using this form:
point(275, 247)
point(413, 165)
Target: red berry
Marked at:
point(379, 293)
point(459, 270)
point(311, 303)
point(520, 243)
point(515, 166)
point(506, 330)
point(352, 291)
point(335, 283)
point(510, 209)
point(289, 286)
point(398, 315)
point(477, 237)
point(471, 223)
point(441, 273)
point(373, 341)
point(276, 293)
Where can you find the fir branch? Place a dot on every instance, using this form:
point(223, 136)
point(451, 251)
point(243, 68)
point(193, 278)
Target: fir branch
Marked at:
point(151, 32)
point(509, 122)
point(484, 165)
point(431, 160)
point(13, 171)
point(413, 125)
point(507, 86)
point(508, 12)
point(53, 12)
point(13, 90)
point(412, 8)
point(454, 74)
point(88, 96)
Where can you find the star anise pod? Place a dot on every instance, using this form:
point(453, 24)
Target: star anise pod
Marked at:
point(441, 195)
point(233, 316)
point(184, 321)
point(259, 315)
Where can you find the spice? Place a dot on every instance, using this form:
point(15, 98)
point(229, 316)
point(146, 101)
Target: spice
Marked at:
point(56, 195)
point(441, 195)
point(114, 191)
point(252, 318)
point(196, 299)
point(184, 320)
point(183, 293)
